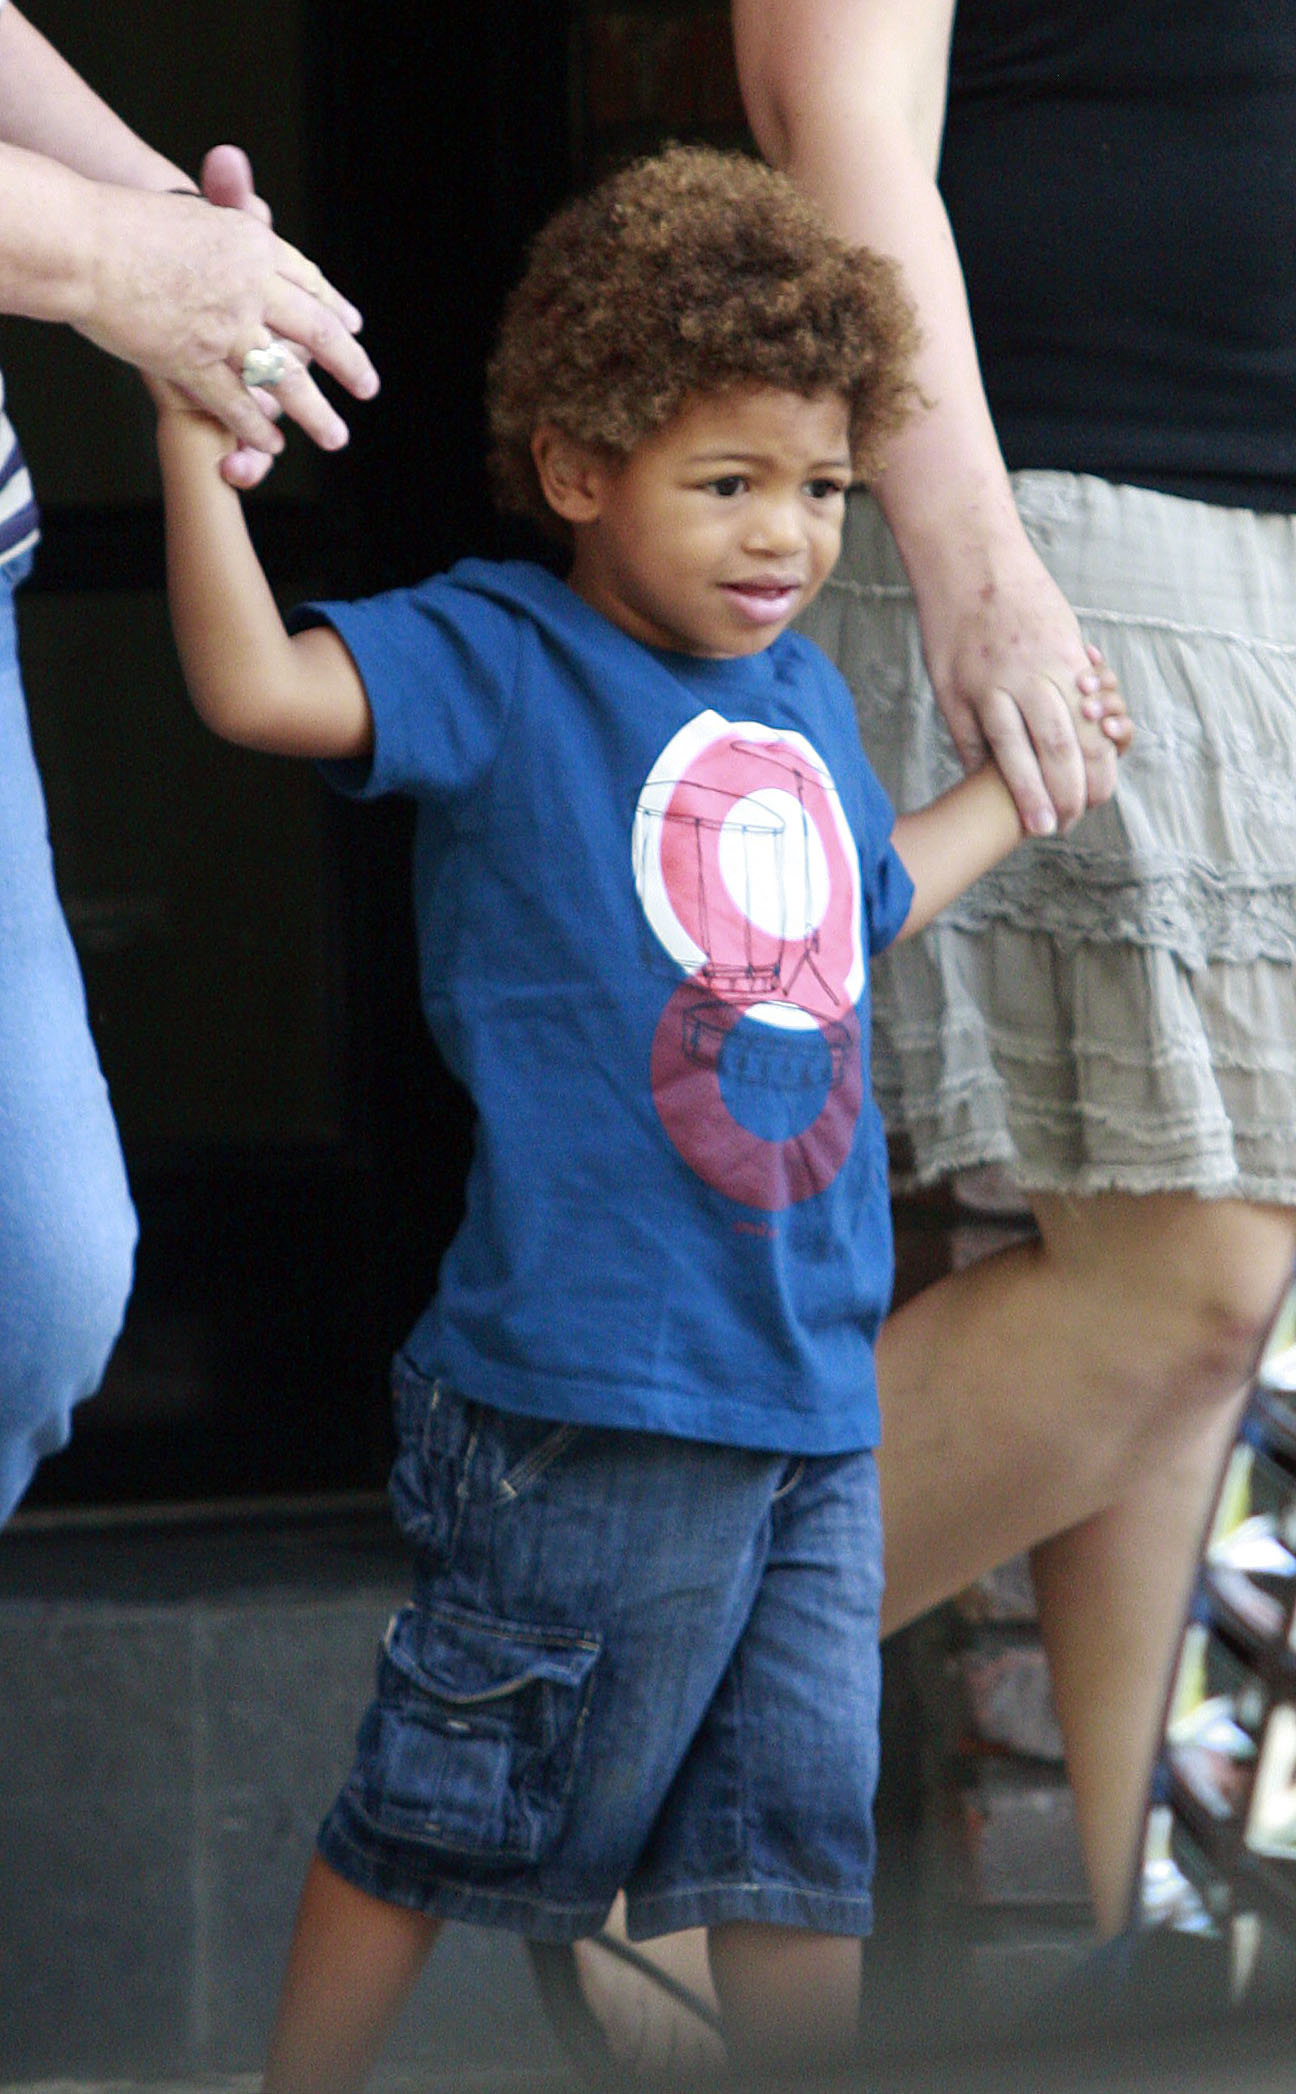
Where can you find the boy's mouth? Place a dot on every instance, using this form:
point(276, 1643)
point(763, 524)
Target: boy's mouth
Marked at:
point(764, 602)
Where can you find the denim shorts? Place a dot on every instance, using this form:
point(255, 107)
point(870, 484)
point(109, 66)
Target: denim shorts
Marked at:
point(630, 1660)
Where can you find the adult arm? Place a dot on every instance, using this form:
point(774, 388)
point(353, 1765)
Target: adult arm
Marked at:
point(89, 235)
point(848, 96)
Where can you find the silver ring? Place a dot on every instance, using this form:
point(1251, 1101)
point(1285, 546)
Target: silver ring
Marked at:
point(267, 366)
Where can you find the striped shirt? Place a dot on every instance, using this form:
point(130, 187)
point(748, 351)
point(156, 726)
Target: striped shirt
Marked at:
point(19, 521)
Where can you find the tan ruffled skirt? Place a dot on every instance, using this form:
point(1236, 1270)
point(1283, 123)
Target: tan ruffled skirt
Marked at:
point(1115, 1009)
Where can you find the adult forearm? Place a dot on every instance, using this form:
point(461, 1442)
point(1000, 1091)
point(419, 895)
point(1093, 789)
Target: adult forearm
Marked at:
point(852, 106)
point(52, 232)
point(848, 97)
point(46, 107)
point(89, 237)
point(944, 490)
point(59, 142)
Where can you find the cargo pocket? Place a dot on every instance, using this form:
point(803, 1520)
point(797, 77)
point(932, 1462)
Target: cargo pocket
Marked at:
point(470, 1745)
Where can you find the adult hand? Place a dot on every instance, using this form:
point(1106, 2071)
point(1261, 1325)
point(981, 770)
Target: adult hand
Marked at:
point(226, 177)
point(1016, 682)
point(184, 291)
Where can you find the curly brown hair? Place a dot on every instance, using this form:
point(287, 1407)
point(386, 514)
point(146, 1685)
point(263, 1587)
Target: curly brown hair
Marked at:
point(693, 272)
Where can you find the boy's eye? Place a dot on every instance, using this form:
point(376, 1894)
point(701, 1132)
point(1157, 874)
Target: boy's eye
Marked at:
point(727, 485)
point(824, 490)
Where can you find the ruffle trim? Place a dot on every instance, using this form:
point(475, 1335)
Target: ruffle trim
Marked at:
point(1198, 915)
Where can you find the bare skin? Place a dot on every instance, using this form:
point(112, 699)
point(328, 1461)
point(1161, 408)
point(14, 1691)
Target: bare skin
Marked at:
point(351, 1965)
point(1077, 1397)
point(790, 1998)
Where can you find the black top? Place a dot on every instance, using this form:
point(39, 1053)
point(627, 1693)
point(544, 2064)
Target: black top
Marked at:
point(1121, 180)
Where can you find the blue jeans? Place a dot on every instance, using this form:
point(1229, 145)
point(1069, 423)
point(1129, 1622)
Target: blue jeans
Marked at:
point(67, 1228)
point(629, 1660)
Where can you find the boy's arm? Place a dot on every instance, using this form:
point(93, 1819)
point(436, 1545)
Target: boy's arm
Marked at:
point(250, 680)
point(947, 845)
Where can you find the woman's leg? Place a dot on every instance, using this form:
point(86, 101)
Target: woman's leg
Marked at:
point(1112, 1595)
point(67, 1230)
point(351, 1965)
point(1076, 1396)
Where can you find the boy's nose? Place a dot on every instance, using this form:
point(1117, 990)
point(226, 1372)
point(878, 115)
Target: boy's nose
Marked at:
point(776, 526)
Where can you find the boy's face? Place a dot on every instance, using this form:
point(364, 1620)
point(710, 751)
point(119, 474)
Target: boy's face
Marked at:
point(721, 527)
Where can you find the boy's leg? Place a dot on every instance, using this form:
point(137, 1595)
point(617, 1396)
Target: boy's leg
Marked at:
point(766, 1836)
point(351, 1965)
point(790, 1998)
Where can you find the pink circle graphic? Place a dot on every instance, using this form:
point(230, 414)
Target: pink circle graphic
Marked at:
point(686, 1054)
point(749, 876)
point(808, 965)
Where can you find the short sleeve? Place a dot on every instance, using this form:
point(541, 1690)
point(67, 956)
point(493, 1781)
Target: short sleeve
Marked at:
point(891, 900)
point(888, 889)
point(439, 667)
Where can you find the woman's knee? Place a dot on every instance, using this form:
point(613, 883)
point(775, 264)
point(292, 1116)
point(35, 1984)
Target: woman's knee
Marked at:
point(1186, 1288)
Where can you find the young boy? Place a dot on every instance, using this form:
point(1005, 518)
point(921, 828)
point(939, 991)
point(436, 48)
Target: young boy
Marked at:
point(636, 1420)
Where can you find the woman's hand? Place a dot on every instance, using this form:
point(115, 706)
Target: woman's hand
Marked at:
point(1017, 683)
point(184, 290)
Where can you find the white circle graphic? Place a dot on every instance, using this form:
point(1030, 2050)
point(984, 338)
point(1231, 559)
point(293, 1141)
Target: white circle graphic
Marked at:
point(774, 864)
point(797, 834)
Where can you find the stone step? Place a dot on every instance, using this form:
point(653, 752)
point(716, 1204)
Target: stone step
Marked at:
point(178, 1695)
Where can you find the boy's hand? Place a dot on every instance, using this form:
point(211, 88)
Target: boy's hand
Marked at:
point(1103, 708)
point(205, 441)
point(227, 180)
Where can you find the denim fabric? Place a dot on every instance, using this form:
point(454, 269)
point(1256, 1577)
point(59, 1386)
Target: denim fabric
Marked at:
point(67, 1229)
point(629, 1660)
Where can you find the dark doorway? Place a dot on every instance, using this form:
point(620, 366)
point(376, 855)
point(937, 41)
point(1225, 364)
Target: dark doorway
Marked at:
point(296, 1151)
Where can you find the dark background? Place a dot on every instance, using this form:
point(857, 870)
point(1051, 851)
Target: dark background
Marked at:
point(296, 1151)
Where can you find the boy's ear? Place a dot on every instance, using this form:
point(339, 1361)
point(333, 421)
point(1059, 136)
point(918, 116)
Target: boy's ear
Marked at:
point(572, 477)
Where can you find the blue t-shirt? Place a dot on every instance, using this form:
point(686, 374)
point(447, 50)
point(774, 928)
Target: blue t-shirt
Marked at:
point(646, 888)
